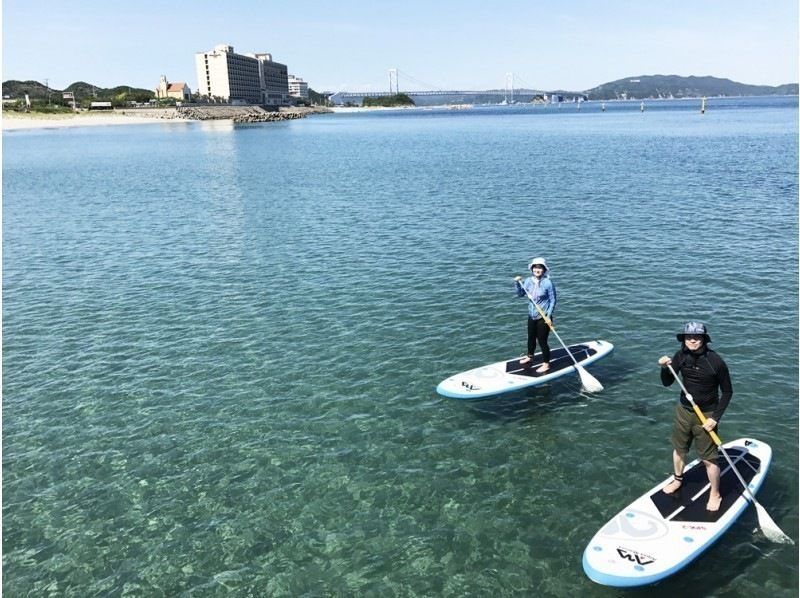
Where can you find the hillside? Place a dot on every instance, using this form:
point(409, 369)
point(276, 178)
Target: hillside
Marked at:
point(83, 91)
point(665, 86)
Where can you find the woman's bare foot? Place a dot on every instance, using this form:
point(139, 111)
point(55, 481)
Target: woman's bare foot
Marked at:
point(525, 360)
point(543, 368)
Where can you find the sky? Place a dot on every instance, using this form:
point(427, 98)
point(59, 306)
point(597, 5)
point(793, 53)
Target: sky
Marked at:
point(450, 45)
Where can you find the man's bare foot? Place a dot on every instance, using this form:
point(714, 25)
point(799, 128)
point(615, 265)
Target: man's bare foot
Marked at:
point(525, 360)
point(674, 485)
point(714, 501)
point(543, 368)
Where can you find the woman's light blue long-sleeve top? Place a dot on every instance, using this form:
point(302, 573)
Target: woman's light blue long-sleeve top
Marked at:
point(543, 292)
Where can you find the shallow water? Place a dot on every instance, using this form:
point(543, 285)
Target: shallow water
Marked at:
point(221, 343)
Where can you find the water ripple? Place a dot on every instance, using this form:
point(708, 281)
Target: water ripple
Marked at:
point(226, 384)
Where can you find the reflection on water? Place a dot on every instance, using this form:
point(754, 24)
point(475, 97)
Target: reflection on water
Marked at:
point(220, 350)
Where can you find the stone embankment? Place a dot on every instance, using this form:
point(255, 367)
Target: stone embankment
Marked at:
point(238, 114)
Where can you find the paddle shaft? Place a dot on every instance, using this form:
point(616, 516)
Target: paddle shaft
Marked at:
point(549, 323)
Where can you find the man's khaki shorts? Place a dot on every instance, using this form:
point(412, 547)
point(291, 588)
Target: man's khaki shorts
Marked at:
point(687, 428)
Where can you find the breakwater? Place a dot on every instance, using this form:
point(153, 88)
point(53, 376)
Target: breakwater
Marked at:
point(238, 114)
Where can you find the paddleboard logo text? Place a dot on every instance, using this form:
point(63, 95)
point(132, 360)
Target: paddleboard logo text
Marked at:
point(469, 386)
point(694, 527)
point(635, 557)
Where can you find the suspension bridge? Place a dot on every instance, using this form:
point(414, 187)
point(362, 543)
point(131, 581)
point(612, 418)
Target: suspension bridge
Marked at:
point(510, 94)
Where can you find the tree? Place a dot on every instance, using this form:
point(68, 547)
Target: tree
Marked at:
point(398, 99)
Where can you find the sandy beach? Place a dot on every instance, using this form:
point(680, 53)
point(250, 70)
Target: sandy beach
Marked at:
point(357, 109)
point(13, 121)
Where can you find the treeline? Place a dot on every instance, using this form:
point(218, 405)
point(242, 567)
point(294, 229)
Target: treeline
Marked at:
point(42, 97)
point(398, 99)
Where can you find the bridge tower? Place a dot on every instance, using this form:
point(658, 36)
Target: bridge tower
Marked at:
point(393, 80)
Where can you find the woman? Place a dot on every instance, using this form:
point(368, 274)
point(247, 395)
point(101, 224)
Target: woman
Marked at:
point(539, 289)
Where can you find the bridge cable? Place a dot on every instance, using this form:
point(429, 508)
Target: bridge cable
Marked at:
point(422, 83)
point(525, 84)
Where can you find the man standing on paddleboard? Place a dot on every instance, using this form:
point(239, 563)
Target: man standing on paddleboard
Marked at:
point(541, 290)
point(708, 381)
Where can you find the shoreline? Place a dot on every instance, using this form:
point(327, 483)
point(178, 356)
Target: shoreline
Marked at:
point(19, 121)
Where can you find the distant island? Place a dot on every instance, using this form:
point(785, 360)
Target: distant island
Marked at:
point(645, 87)
point(393, 101)
point(641, 87)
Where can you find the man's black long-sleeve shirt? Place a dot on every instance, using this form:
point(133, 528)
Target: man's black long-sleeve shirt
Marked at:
point(704, 373)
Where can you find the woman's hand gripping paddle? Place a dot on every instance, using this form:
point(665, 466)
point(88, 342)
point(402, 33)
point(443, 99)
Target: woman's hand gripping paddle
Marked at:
point(768, 526)
point(589, 382)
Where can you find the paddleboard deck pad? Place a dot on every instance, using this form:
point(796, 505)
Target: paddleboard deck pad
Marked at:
point(506, 376)
point(659, 534)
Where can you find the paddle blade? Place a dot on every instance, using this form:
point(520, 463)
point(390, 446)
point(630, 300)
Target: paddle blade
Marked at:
point(589, 382)
point(770, 528)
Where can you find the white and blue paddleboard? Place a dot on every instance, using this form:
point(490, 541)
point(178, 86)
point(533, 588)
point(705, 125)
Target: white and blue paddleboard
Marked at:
point(659, 534)
point(507, 376)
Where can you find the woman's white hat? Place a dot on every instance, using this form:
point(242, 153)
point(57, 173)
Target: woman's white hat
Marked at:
point(538, 261)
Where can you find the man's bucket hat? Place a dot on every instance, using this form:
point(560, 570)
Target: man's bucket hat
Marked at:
point(694, 328)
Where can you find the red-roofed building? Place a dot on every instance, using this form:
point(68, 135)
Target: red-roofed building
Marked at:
point(180, 91)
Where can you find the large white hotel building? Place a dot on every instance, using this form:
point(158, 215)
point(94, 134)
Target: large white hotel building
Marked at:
point(241, 78)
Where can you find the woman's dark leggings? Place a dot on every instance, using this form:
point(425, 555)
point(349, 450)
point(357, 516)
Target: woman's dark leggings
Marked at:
point(538, 330)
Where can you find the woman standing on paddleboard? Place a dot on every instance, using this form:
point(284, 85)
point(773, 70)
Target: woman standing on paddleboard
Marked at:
point(541, 291)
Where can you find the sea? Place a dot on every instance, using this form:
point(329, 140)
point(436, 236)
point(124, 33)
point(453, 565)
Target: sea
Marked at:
point(221, 345)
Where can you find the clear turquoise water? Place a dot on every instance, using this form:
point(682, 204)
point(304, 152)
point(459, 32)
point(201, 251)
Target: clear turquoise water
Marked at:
point(220, 346)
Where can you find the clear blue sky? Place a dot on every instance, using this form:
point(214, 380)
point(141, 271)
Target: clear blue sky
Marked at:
point(349, 44)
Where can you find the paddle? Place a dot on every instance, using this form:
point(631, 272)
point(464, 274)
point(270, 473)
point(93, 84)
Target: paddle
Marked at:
point(768, 526)
point(589, 382)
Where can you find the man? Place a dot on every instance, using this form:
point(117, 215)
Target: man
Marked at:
point(706, 378)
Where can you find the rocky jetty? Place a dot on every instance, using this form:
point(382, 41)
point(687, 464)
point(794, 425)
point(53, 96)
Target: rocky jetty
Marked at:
point(238, 114)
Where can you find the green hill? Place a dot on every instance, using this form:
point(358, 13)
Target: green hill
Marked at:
point(34, 89)
point(84, 92)
point(666, 86)
point(393, 101)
